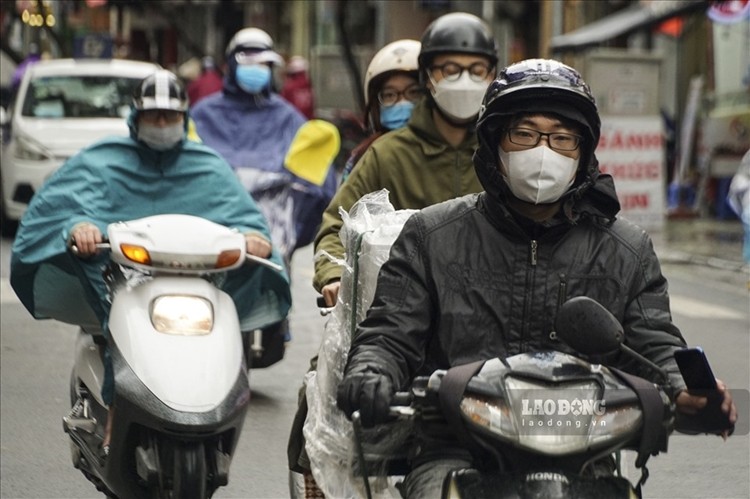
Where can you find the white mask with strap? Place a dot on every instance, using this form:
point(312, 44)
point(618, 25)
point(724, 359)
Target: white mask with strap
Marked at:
point(459, 99)
point(538, 175)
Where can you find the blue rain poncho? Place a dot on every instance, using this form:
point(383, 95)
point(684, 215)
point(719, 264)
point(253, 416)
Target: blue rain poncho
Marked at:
point(121, 179)
point(253, 133)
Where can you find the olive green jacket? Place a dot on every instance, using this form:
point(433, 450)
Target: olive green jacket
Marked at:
point(415, 165)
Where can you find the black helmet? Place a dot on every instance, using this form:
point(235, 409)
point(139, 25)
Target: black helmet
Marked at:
point(539, 85)
point(161, 90)
point(536, 86)
point(457, 32)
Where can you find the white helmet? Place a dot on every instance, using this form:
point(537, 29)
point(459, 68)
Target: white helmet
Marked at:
point(254, 39)
point(400, 55)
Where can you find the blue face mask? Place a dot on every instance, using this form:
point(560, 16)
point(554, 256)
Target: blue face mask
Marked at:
point(397, 115)
point(253, 78)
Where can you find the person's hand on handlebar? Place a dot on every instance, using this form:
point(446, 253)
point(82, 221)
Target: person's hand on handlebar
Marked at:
point(330, 293)
point(258, 245)
point(692, 404)
point(367, 392)
point(84, 237)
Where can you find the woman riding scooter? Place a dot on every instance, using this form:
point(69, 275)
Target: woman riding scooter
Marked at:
point(154, 170)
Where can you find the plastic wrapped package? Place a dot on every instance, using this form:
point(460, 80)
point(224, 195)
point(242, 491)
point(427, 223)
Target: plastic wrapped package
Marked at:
point(368, 232)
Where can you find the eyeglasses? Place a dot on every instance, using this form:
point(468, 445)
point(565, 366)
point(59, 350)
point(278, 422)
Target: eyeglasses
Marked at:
point(557, 140)
point(452, 71)
point(154, 115)
point(389, 96)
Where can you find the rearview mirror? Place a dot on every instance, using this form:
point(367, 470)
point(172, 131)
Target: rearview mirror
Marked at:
point(588, 327)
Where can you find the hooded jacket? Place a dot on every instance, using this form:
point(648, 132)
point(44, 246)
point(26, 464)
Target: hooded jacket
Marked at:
point(470, 280)
point(415, 165)
point(253, 133)
point(116, 179)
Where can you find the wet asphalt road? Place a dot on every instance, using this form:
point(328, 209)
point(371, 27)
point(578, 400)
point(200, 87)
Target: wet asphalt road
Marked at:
point(710, 305)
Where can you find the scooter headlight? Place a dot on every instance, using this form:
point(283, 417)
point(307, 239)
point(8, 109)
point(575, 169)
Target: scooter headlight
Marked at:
point(182, 315)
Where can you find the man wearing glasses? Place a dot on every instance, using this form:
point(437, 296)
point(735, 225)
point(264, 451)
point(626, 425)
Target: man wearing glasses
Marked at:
point(426, 162)
point(483, 276)
point(429, 160)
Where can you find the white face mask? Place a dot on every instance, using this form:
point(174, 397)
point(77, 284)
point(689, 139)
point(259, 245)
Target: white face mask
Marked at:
point(538, 175)
point(161, 138)
point(459, 99)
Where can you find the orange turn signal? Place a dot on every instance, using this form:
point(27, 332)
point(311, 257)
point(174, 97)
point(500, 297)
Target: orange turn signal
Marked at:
point(227, 258)
point(137, 254)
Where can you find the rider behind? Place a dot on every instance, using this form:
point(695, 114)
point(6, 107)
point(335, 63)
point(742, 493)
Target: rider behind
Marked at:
point(253, 127)
point(153, 171)
point(428, 160)
point(392, 89)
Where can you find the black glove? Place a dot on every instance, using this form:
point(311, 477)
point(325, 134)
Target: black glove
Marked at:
point(369, 393)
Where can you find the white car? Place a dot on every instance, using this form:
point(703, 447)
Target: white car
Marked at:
point(62, 106)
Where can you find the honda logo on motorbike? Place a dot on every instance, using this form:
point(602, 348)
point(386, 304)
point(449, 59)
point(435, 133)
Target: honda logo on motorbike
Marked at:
point(546, 476)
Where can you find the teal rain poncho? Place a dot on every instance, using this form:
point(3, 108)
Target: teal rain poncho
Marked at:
point(120, 179)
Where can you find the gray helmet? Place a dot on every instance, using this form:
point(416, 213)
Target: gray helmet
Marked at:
point(249, 38)
point(256, 40)
point(458, 32)
point(161, 90)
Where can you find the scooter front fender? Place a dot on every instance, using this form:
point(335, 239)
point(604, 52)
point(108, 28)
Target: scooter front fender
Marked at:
point(191, 373)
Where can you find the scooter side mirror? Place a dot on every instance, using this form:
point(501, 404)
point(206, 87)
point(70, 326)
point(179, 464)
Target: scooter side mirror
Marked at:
point(585, 325)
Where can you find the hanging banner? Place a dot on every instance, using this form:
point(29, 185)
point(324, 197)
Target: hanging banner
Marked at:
point(632, 150)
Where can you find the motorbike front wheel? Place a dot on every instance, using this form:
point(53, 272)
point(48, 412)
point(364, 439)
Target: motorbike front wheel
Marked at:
point(189, 478)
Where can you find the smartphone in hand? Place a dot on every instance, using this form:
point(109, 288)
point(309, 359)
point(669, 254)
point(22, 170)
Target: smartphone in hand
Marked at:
point(695, 370)
point(700, 381)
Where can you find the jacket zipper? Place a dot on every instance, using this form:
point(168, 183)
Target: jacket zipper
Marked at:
point(562, 292)
point(529, 293)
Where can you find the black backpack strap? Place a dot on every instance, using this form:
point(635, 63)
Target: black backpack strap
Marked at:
point(653, 438)
point(452, 388)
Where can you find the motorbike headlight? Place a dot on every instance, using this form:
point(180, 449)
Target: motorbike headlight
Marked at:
point(491, 413)
point(182, 315)
point(31, 150)
point(559, 419)
point(553, 419)
point(615, 422)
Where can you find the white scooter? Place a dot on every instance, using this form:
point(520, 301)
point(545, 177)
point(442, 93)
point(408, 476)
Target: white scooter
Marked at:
point(181, 385)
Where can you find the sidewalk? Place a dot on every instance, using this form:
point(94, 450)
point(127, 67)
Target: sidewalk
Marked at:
point(706, 242)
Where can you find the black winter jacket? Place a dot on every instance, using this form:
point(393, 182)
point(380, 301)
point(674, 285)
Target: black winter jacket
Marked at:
point(468, 280)
point(465, 281)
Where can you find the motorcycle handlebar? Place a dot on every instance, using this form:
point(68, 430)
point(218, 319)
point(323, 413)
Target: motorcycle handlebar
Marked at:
point(402, 398)
point(105, 246)
point(265, 262)
point(322, 306)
